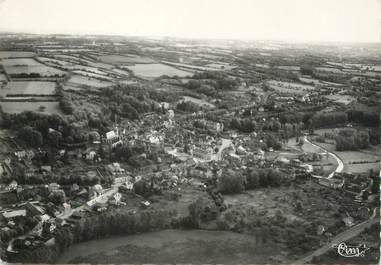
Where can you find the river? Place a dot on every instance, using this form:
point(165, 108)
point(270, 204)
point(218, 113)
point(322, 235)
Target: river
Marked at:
point(172, 246)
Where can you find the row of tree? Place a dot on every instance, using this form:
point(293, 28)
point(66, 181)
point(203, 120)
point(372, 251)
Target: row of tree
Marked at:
point(236, 182)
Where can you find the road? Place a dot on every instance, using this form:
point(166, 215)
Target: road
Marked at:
point(225, 144)
point(340, 166)
point(342, 237)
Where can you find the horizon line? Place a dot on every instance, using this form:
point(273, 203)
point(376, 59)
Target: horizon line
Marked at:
point(5, 31)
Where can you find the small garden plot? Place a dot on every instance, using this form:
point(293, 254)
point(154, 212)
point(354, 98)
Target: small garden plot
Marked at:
point(128, 59)
point(30, 88)
point(48, 107)
point(15, 54)
point(89, 81)
point(155, 70)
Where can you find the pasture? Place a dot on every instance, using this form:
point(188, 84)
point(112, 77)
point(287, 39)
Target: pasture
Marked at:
point(41, 70)
point(20, 62)
point(155, 70)
point(88, 81)
point(343, 99)
point(200, 102)
point(48, 107)
point(127, 59)
point(15, 54)
point(29, 88)
point(288, 67)
point(3, 77)
point(29, 66)
point(292, 88)
point(99, 74)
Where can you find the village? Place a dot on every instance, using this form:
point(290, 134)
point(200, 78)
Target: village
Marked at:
point(204, 142)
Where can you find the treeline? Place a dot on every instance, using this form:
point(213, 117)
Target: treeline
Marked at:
point(128, 102)
point(99, 226)
point(209, 82)
point(36, 129)
point(332, 119)
point(364, 117)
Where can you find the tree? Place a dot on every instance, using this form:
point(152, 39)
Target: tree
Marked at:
point(143, 188)
point(129, 112)
point(66, 106)
point(306, 69)
point(30, 136)
point(274, 177)
point(252, 179)
point(55, 138)
point(202, 210)
point(231, 182)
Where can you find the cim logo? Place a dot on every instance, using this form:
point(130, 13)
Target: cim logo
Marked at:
point(347, 251)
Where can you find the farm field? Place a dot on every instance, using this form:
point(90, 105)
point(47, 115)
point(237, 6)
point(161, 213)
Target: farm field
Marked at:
point(127, 59)
point(289, 67)
point(344, 99)
point(29, 88)
point(293, 88)
point(55, 62)
point(15, 54)
point(213, 67)
point(329, 69)
point(99, 75)
point(200, 102)
point(71, 87)
point(155, 70)
point(3, 77)
point(172, 246)
point(89, 81)
point(42, 70)
point(121, 72)
point(314, 81)
point(51, 107)
point(262, 65)
point(221, 66)
point(19, 62)
point(28, 66)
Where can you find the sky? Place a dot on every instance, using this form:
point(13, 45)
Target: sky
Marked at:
point(290, 20)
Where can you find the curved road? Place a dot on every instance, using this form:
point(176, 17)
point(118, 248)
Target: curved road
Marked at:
point(340, 163)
